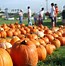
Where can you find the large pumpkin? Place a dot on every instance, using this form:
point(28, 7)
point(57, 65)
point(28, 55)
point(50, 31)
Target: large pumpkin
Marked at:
point(24, 53)
point(5, 59)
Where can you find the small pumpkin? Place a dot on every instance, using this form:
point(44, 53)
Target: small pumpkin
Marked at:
point(56, 42)
point(5, 45)
point(14, 39)
point(42, 53)
point(49, 49)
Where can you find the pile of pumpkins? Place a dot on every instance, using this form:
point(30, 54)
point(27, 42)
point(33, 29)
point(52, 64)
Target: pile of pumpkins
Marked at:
point(22, 45)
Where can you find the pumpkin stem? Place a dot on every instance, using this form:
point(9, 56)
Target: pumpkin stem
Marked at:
point(24, 42)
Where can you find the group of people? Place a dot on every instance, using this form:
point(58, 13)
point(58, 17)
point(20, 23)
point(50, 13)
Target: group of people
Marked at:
point(29, 14)
point(53, 15)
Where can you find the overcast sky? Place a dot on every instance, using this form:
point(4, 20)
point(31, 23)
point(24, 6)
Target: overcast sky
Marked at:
point(35, 5)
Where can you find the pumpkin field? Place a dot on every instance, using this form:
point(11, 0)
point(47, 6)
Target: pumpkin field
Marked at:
point(23, 45)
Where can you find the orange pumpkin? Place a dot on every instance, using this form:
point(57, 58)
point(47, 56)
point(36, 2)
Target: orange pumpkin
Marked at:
point(62, 40)
point(14, 39)
point(42, 53)
point(56, 42)
point(42, 42)
point(50, 37)
point(24, 54)
point(9, 33)
point(49, 49)
point(36, 42)
point(5, 58)
point(45, 39)
point(3, 34)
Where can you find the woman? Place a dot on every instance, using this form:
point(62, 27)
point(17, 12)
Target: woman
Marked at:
point(21, 17)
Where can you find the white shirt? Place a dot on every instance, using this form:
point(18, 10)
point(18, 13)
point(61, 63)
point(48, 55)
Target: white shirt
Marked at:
point(20, 13)
point(52, 11)
point(29, 12)
point(41, 13)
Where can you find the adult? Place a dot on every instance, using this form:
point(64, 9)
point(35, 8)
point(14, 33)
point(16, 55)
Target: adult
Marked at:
point(35, 18)
point(20, 17)
point(41, 14)
point(56, 13)
point(29, 16)
point(52, 14)
point(63, 15)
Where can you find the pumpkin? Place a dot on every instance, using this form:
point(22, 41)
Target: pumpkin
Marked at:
point(48, 31)
point(56, 42)
point(5, 58)
point(55, 35)
point(42, 42)
point(9, 33)
point(36, 42)
point(45, 39)
point(2, 40)
point(5, 45)
point(55, 29)
point(24, 53)
point(8, 39)
point(22, 31)
point(42, 53)
point(40, 33)
point(49, 49)
point(62, 40)
point(14, 39)
point(4, 26)
point(27, 29)
point(3, 34)
point(12, 26)
point(58, 33)
point(50, 37)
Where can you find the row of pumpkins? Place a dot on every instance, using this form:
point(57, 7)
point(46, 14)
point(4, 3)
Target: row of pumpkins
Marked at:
point(22, 45)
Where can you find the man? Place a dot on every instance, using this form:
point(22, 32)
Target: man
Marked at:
point(56, 13)
point(41, 14)
point(52, 14)
point(63, 15)
point(29, 16)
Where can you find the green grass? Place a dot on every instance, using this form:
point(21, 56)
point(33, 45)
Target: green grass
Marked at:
point(45, 22)
point(58, 56)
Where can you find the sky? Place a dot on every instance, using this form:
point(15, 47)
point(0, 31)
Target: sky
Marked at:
point(35, 5)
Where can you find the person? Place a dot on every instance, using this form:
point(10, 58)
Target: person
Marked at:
point(20, 17)
point(63, 15)
point(56, 13)
point(35, 18)
point(52, 14)
point(29, 16)
point(41, 14)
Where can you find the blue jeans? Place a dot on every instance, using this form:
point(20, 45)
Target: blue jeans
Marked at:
point(20, 19)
